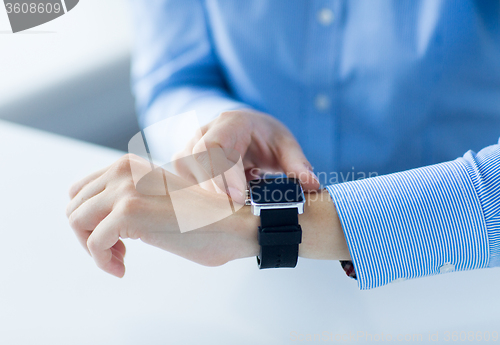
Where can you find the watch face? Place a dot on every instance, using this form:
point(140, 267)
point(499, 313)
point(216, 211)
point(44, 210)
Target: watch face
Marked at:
point(276, 191)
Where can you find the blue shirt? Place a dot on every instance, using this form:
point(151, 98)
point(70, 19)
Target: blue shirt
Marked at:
point(368, 88)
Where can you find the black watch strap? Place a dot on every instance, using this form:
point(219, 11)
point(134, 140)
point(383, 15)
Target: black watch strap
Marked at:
point(279, 237)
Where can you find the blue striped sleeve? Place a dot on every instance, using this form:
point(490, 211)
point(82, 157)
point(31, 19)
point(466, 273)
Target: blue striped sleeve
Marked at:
point(420, 222)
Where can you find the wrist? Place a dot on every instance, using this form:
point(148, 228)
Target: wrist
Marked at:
point(243, 226)
point(322, 234)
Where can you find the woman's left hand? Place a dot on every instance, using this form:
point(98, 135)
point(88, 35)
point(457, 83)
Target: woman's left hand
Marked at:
point(107, 206)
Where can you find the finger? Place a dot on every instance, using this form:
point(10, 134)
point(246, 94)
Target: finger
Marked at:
point(86, 217)
point(225, 173)
point(117, 254)
point(294, 163)
point(91, 212)
point(76, 187)
point(232, 134)
point(235, 177)
point(190, 169)
point(87, 192)
point(104, 246)
point(181, 160)
point(83, 237)
point(224, 167)
point(182, 166)
point(187, 167)
point(120, 248)
point(214, 155)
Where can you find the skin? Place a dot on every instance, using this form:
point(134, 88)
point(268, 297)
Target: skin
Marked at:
point(262, 143)
point(109, 206)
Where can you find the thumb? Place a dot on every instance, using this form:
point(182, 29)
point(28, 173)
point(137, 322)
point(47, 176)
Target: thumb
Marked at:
point(294, 163)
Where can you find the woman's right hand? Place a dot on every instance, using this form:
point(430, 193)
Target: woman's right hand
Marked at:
point(264, 143)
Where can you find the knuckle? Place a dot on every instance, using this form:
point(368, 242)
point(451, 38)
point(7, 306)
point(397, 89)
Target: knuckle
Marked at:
point(201, 146)
point(131, 205)
point(230, 114)
point(69, 210)
point(222, 139)
point(135, 159)
point(130, 156)
point(75, 221)
point(127, 188)
point(123, 164)
point(72, 190)
point(236, 118)
point(92, 244)
point(205, 128)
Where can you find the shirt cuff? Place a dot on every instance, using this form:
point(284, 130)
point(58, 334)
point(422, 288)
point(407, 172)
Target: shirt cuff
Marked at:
point(412, 224)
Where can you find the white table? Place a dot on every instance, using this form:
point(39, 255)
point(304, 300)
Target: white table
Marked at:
point(52, 293)
point(71, 76)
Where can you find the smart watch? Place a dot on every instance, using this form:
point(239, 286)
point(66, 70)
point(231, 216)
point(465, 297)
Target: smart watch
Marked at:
point(278, 201)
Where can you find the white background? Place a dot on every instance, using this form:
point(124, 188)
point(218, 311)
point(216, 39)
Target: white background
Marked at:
point(71, 76)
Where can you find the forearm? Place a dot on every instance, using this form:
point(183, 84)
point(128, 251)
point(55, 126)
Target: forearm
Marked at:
point(425, 221)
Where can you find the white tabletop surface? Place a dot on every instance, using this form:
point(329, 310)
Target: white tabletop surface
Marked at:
point(52, 293)
point(93, 34)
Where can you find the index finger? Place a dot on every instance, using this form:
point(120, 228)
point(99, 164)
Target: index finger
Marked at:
point(77, 186)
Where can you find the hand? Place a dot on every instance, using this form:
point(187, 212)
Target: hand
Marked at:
point(265, 144)
point(107, 206)
point(128, 200)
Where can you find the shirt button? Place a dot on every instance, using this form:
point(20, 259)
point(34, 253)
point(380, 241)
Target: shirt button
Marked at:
point(325, 16)
point(446, 268)
point(322, 102)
